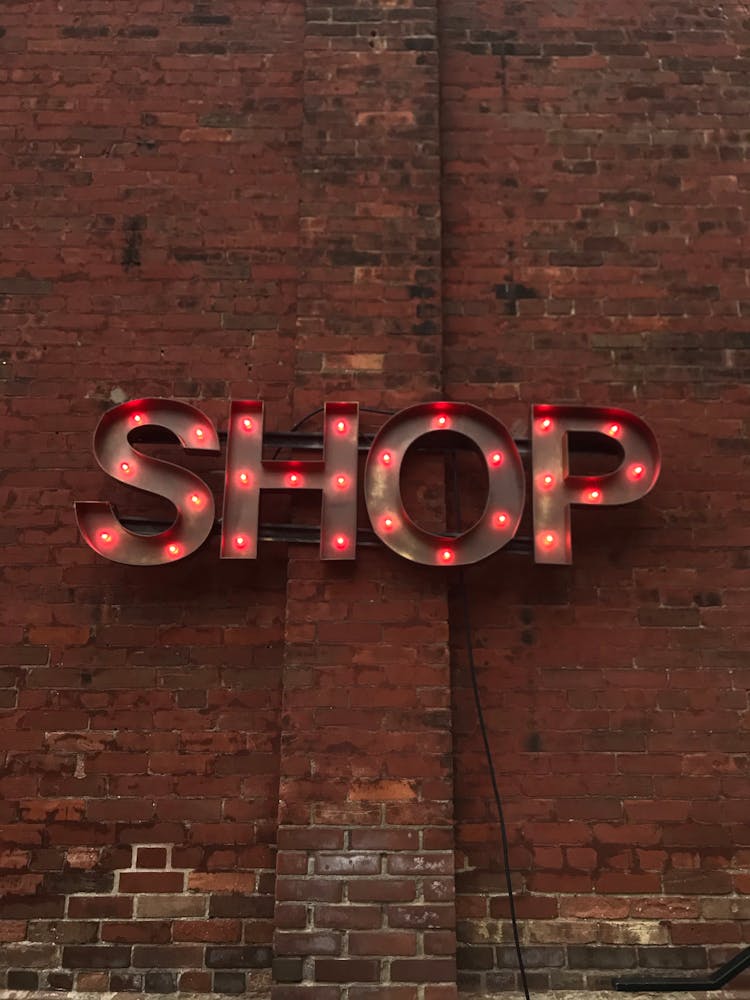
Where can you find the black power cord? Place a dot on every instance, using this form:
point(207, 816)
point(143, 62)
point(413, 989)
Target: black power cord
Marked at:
point(469, 643)
point(320, 409)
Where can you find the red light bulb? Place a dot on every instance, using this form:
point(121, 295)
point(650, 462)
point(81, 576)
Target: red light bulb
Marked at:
point(173, 550)
point(294, 479)
point(386, 458)
point(126, 467)
point(137, 418)
point(637, 471)
point(342, 482)
point(547, 481)
point(594, 496)
point(200, 433)
point(388, 523)
point(105, 536)
point(446, 555)
point(548, 539)
point(341, 542)
point(244, 478)
point(195, 500)
point(247, 424)
point(496, 458)
point(341, 426)
point(240, 541)
point(501, 520)
point(613, 430)
point(545, 424)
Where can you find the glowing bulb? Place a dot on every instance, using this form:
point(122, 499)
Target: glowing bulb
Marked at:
point(386, 457)
point(637, 471)
point(593, 496)
point(341, 541)
point(496, 458)
point(341, 426)
point(547, 480)
point(247, 424)
point(501, 520)
point(137, 418)
point(195, 500)
point(200, 433)
point(341, 482)
point(613, 430)
point(105, 536)
point(240, 541)
point(173, 550)
point(294, 479)
point(446, 555)
point(545, 424)
point(244, 478)
point(388, 523)
point(548, 539)
point(126, 466)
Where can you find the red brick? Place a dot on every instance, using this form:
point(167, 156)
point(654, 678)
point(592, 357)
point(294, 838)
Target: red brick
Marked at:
point(12, 930)
point(119, 907)
point(143, 881)
point(382, 943)
point(423, 970)
point(307, 943)
point(382, 890)
point(346, 970)
point(207, 930)
point(347, 864)
point(151, 857)
point(345, 917)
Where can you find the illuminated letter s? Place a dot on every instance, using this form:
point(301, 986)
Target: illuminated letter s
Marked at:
point(191, 497)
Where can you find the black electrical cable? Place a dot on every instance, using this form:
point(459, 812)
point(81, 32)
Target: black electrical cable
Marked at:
point(469, 642)
point(320, 409)
point(363, 409)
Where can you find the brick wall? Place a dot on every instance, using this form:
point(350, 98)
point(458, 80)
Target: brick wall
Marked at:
point(212, 771)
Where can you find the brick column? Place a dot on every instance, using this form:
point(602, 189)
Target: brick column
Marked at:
point(364, 898)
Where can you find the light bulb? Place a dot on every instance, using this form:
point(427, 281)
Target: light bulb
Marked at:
point(247, 424)
point(341, 426)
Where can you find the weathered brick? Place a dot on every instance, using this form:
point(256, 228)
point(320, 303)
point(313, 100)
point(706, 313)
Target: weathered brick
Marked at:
point(96, 957)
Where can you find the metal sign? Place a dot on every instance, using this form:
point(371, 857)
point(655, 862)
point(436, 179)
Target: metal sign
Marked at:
point(554, 489)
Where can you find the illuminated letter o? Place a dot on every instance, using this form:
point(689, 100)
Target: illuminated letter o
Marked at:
point(505, 495)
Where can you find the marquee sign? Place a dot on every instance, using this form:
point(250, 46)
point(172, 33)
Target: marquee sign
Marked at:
point(554, 489)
